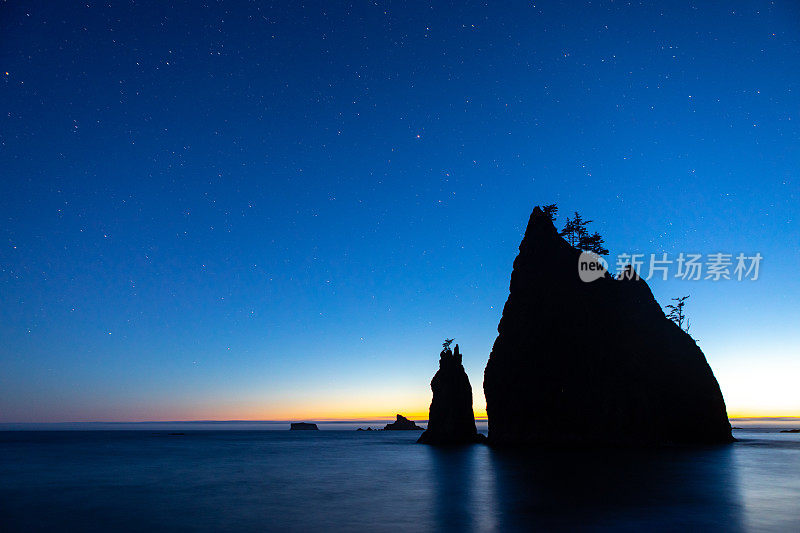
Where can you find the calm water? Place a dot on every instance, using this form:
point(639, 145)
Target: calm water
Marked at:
point(347, 480)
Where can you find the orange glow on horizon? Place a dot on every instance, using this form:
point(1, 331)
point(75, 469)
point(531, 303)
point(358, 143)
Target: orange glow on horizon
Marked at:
point(756, 413)
point(259, 414)
point(355, 416)
point(342, 407)
point(345, 413)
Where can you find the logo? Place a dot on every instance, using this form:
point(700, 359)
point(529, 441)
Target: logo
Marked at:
point(591, 266)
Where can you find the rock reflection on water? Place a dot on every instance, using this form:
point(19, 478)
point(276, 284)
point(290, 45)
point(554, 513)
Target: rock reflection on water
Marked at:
point(478, 488)
point(463, 486)
point(614, 489)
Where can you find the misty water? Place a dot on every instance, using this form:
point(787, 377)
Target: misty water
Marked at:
point(206, 480)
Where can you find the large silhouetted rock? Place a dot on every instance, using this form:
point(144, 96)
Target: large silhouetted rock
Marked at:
point(593, 363)
point(451, 420)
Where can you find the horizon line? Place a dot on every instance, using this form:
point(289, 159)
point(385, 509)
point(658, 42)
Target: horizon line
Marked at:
point(308, 419)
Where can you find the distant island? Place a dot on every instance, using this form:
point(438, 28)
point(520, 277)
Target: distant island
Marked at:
point(402, 424)
point(303, 426)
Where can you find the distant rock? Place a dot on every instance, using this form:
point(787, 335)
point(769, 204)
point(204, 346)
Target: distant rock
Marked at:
point(451, 419)
point(303, 426)
point(362, 429)
point(402, 423)
point(587, 363)
point(790, 431)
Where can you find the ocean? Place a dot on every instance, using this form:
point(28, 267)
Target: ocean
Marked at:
point(255, 480)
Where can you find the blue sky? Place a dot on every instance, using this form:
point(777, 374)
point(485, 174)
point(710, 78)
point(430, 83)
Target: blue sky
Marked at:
point(261, 212)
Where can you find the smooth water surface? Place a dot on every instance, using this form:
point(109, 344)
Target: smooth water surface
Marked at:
point(348, 480)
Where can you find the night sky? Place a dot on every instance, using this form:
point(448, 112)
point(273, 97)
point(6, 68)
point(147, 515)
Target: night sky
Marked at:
point(255, 211)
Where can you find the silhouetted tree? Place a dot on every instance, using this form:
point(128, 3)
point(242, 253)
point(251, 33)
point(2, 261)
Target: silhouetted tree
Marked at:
point(593, 243)
point(577, 235)
point(568, 231)
point(551, 210)
point(575, 229)
point(676, 313)
point(446, 352)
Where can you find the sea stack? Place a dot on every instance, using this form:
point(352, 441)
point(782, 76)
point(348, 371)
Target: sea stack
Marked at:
point(593, 363)
point(451, 420)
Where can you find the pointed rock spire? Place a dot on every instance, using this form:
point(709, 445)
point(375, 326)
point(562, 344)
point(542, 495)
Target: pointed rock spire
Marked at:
point(451, 420)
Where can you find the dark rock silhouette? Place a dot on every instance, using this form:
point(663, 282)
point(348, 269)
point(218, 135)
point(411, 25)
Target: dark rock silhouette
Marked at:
point(790, 431)
point(402, 423)
point(362, 429)
point(592, 363)
point(299, 426)
point(451, 420)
